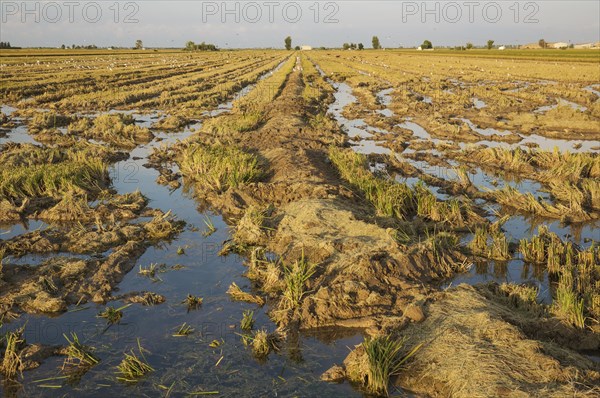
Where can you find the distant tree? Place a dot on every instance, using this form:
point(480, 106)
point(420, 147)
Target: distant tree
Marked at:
point(490, 44)
point(297, 48)
point(190, 46)
point(361, 46)
point(543, 43)
point(288, 43)
point(346, 46)
point(352, 46)
point(426, 45)
point(138, 44)
point(63, 47)
point(375, 42)
point(469, 46)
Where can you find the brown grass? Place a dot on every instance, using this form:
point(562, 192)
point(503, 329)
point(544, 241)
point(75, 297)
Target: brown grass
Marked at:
point(470, 350)
point(237, 294)
point(12, 363)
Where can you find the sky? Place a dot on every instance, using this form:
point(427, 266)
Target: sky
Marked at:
point(249, 24)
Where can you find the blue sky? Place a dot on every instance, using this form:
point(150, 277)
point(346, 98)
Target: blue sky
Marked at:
point(323, 23)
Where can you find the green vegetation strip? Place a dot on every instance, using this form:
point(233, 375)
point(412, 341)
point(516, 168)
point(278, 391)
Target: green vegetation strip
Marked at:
point(393, 199)
point(52, 179)
point(220, 167)
point(389, 198)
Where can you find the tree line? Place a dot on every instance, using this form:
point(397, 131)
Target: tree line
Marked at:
point(376, 45)
point(191, 46)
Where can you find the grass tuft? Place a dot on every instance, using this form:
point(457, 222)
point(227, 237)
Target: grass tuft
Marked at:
point(210, 227)
point(385, 360)
point(393, 199)
point(53, 180)
point(163, 226)
point(237, 294)
point(12, 364)
point(113, 315)
point(183, 330)
point(247, 322)
point(263, 343)
point(567, 303)
point(132, 367)
point(78, 354)
point(295, 278)
point(193, 302)
point(389, 198)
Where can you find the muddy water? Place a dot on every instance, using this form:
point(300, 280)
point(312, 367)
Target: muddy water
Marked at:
point(561, 102)
point(19, 133)
point(357, 129)
point(593, 88)
point(517, 227)
point(479, 104)
point(186, 365)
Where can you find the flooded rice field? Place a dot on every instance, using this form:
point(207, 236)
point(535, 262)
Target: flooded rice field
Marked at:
point(293, 227)
point(517, 227)
point(188, 263)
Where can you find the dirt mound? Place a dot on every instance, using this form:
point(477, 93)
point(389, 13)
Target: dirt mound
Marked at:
point(473, 347)
point(362, 270)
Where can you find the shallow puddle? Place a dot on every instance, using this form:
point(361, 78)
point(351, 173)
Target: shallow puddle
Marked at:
point(479, 104)
point(592, 88)
point(488, 132)
point(561, 102)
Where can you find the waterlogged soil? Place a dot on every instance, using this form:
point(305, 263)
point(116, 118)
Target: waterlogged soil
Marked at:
point(364, 281)
point(363, 278)
point(362, 273)
point(492, 310)
point(431, 162)
point(188, 263)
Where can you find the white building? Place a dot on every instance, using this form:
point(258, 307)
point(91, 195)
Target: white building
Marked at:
point(560, 45)
point(305, 48)
point(502, 48)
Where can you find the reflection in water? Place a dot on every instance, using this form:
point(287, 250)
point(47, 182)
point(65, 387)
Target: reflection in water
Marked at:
point(515, 271)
